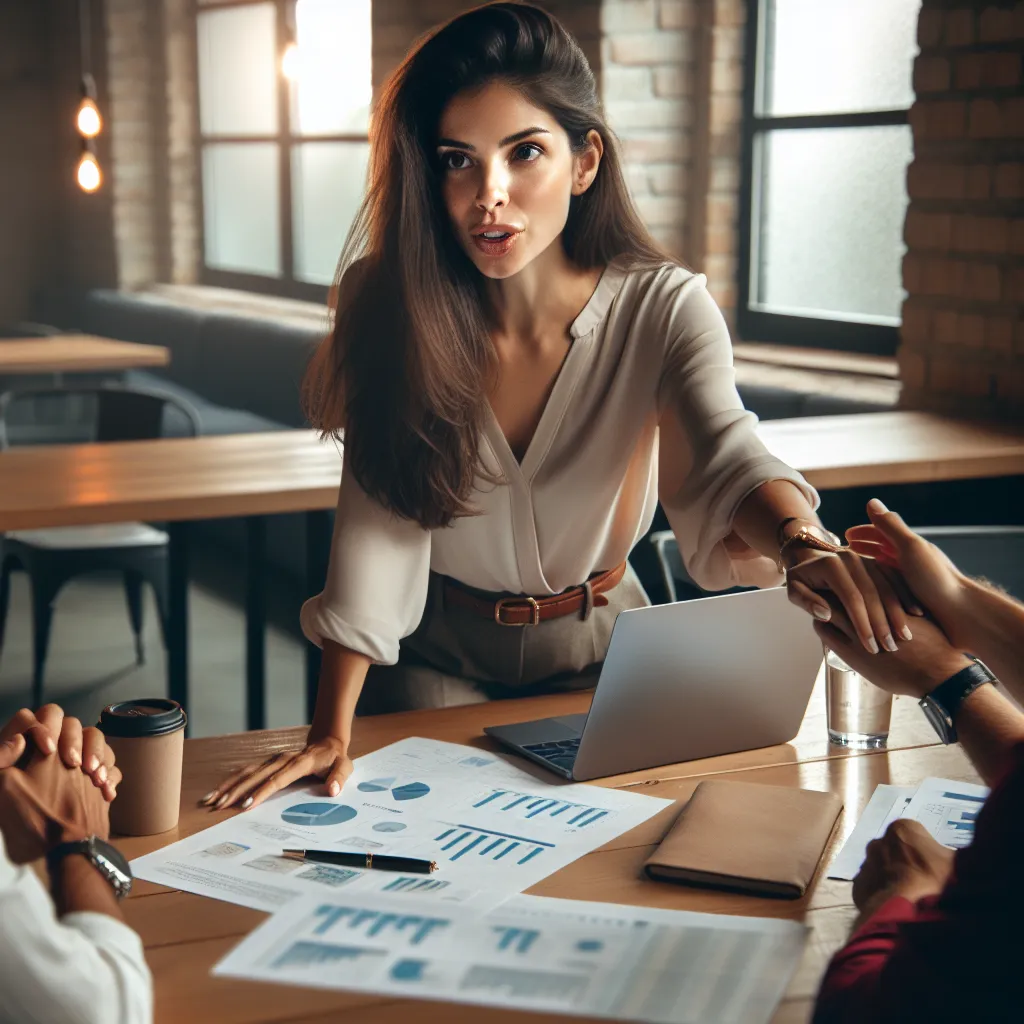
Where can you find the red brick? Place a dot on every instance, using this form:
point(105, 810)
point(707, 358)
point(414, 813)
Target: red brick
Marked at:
point(916, 327)
point(1013, 118)
point(929, 28)
point(1013, 284)
point(946, 278)
point(947, 327)
point(913, 367)
point(730, 12)
point(725, 113)
point(947, 119)
point(995, 25)
point(1018, 338)
point(1009, 181)
point(726, 76)
point(945, 375)
point(913, 273)
point(932, 74)
point(1001, 71)
point(982, 282)
point(999, 334)
point(677, 14)
point(981, 234)
point(673, 80)
point(979, 181)
point(1017, 237)
point(1018, 20)
point(960, 27)
point(986, 120)
point(937, 181)
point(722, 211)
point(928, 230)
point(968, 70)
point(971, 330)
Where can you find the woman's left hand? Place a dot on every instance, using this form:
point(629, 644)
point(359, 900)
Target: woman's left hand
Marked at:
point(874, 598)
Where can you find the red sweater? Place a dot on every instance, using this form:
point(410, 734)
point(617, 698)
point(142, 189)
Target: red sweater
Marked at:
point(956, 957)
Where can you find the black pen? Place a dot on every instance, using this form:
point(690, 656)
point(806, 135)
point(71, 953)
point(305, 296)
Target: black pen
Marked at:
point(412, 865)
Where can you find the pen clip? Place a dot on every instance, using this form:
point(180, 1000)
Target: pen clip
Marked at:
point(294, 854)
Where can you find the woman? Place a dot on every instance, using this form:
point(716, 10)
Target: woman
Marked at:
point(509, 347)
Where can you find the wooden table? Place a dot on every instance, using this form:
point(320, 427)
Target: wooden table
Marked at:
point(177, 481)
point(76, 353)
point(901, 447)
point(253, 475)
point(185, 934)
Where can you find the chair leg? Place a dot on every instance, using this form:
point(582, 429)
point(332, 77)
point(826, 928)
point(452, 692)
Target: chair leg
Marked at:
point(133, 597)
point(42, 616)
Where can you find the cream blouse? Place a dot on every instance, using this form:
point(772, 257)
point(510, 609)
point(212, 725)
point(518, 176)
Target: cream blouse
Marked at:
point(649, 348)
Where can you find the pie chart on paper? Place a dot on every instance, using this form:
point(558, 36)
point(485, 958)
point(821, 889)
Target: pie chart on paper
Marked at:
point(375, 785)
point(412, 791)
point(318, 814)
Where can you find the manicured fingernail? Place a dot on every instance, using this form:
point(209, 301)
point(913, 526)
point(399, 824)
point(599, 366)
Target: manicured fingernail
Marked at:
point(111, 792)
point(872, 645)
point(906, 634)
point(49, 746)
point(334, 789)
point(888, 643)
point(822, 612)
point(877, 507)
point(75, 758)
point(101, 773)
point(247, 803)
point(209, 796)
point(916, 609)
point(93, 764)
point(220, 803)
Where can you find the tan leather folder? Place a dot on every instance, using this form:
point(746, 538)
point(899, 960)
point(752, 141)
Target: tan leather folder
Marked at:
point(765, 840)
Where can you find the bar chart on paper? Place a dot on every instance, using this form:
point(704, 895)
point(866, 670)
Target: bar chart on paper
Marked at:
point(528, 806)
point(460, 841)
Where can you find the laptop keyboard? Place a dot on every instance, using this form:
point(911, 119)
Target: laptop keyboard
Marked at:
point(561, 753)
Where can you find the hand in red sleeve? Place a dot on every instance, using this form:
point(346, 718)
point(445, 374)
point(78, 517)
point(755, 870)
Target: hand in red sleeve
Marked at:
point(905, 862)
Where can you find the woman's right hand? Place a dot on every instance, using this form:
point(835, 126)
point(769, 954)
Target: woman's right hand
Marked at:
point(326, 758)
point(932, 577)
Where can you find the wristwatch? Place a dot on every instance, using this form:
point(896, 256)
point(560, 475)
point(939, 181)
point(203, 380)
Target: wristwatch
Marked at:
point(811, 535)
point(942, 704)
point(106, 859)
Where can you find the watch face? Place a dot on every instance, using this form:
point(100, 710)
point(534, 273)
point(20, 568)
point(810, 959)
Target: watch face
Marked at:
point(115, 863)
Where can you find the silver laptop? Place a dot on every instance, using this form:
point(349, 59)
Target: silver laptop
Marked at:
point(683, 681)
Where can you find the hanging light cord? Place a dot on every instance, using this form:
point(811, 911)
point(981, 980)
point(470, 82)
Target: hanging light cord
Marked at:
point(85, 34)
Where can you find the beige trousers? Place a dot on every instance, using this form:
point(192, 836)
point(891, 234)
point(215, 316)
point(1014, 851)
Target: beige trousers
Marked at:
point(458, 657)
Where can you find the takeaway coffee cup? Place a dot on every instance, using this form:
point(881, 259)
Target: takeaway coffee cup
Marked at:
point(147, 737)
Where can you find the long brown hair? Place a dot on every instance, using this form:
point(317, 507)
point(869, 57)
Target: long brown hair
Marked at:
point(403, 374)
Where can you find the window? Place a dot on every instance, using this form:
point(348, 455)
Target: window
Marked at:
point(826, 149)
point(283, 138)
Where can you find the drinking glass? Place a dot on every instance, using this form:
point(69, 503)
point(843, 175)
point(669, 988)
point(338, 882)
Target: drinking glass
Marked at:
point(858, 712)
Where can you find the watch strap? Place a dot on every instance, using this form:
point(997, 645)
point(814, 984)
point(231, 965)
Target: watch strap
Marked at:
point(949, 695)
point(106, 859)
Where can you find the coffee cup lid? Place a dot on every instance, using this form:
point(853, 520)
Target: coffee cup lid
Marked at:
point(151, 716)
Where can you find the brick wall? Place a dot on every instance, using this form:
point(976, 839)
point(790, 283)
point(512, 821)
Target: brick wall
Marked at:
point(962, 344)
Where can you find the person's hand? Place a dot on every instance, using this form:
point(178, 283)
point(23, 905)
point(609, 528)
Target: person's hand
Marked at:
point(906, 862)
point(326, 758)
point(49, 730)
point(931, 576)
point(914, 669)
point(870, 597)
point(43, 802)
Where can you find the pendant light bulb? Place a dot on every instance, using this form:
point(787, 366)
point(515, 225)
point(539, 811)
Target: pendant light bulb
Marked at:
point(88, 120)
point(88, 174)
point(290, 62)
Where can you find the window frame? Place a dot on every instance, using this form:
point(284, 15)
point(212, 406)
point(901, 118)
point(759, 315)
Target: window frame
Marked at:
point(287, 285)
point(758, 325)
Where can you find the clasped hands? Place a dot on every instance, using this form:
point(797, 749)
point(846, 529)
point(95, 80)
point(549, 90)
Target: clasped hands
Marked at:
point(56, 782)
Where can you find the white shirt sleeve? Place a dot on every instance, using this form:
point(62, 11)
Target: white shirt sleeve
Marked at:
point(725, 460)
point(377, 578)
point(86, 968)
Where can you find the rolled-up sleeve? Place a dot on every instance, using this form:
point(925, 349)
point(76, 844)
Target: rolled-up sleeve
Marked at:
point(725, 460)
point(85, 968)
point(376, 585)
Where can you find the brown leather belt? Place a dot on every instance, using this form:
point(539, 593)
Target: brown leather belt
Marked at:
point(532, 611)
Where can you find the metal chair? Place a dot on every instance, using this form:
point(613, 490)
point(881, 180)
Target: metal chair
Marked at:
point(52, 557)
point(993, 552)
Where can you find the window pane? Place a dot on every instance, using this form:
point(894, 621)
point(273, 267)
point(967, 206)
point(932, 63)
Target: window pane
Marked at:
point(333, 85)
point(328, 179)
point(828, 56)
point(240, 204)
point(832, 208)
point(238, 71)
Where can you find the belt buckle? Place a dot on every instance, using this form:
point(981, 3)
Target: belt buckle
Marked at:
point(534, 608)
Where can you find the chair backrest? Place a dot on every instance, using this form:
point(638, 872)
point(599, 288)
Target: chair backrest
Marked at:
point(91, 413)
point(995, 553)
point(28, 329)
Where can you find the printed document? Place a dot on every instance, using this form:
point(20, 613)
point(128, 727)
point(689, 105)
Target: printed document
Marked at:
point(493, 829)
point(532, 953)
point(947, 809)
